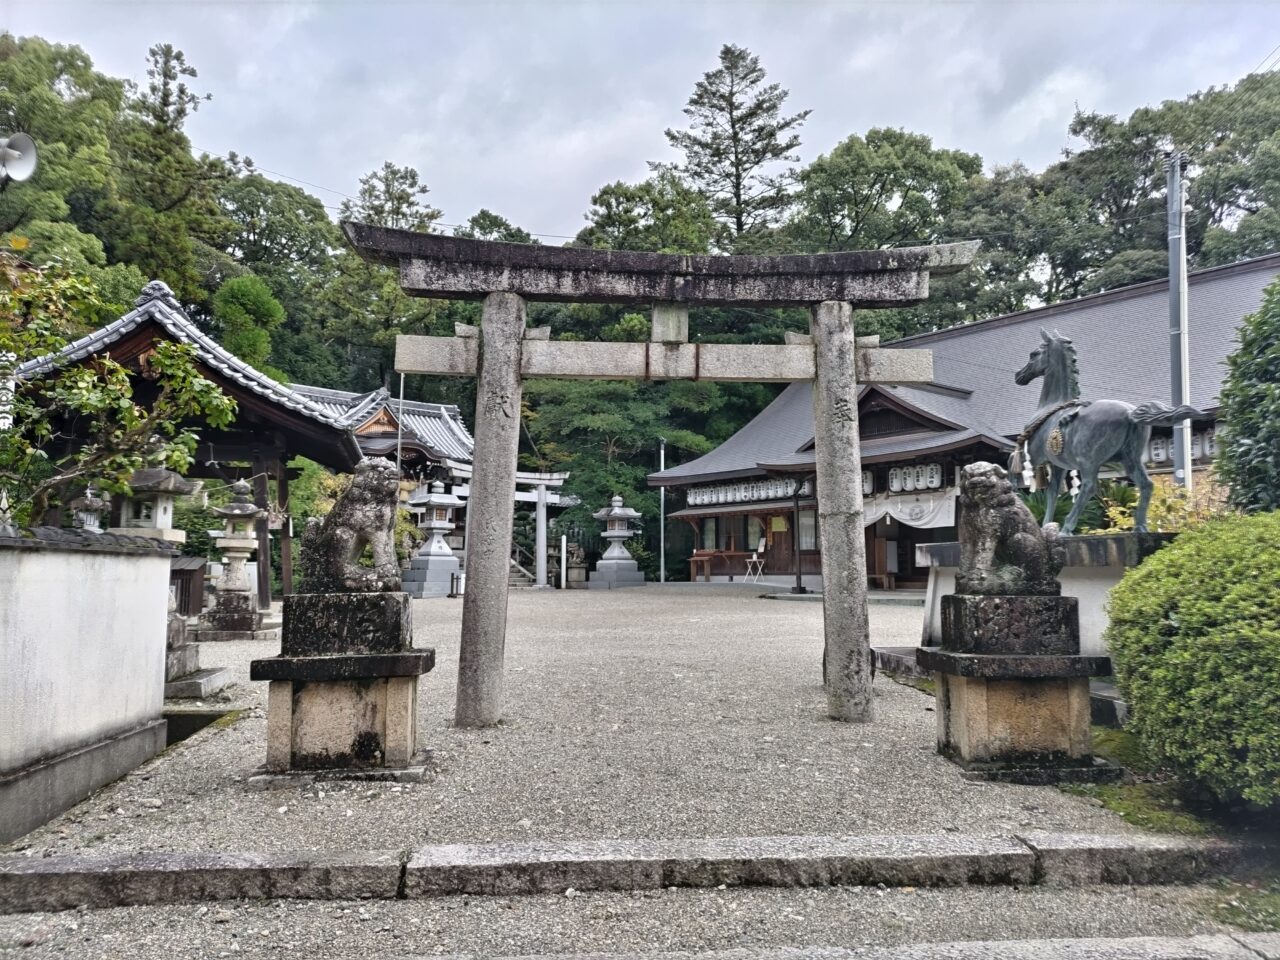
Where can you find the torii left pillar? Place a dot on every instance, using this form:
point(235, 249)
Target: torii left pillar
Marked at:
point(830, 285)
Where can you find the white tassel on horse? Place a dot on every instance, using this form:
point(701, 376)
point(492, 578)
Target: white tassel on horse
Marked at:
point(1028, 470)
point(1075, 485)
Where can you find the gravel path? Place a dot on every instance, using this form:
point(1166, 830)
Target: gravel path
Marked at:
point(689, 920)
point(691, 711)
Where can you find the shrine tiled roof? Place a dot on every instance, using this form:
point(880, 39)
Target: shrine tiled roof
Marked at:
point(1122, 339)
point(437, 427)
point(158, 304)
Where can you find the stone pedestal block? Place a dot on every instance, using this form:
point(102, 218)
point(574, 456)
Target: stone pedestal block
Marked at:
point(575, 577)
point(1011, 625)
point(344, 690)
point(430, 576)
point(233, 611)
point(1044, 721)
point(345, 724)
point(610, 574)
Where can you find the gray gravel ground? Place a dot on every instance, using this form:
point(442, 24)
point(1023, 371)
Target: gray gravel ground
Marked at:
point(679, 711)
point(666, 920)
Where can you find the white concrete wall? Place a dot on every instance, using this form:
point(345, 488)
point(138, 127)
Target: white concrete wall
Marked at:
point(1090, 585)
point(82, 647)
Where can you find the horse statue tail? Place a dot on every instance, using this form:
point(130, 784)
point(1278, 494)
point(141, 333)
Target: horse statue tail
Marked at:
point(1156, 414)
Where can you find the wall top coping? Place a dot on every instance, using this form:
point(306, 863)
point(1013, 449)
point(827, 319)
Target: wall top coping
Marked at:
point(1103, 550)
point(59, 539)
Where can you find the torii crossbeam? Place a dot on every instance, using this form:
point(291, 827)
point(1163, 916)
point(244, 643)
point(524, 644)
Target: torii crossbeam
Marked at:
point(504, 350)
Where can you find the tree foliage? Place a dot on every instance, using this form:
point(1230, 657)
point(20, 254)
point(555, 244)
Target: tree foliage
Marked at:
point(1249, 431)
point(82, 424)
point(737, 137)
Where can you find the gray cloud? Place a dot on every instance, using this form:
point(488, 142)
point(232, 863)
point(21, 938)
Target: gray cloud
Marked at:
point(528, 108)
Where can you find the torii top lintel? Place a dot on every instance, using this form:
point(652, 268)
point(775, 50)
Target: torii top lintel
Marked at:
point(456, 268)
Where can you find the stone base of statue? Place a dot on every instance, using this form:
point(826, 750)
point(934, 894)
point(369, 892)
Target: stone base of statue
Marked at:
point(1013, 690)
point(343, 695)
point(430, 575)
point(611, 574)
point(575, 576)
point(234, 616)
point(183, 678)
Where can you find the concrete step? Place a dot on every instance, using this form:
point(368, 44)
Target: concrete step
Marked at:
point(1240, 946)
point(504, 869)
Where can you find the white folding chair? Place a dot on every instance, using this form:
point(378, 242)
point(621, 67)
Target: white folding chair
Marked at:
point(755, 563)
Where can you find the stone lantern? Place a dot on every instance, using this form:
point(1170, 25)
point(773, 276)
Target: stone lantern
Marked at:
point(87, 510)
point(433, 567)
point(148, 512)
point(616, 568)
point(234, 614)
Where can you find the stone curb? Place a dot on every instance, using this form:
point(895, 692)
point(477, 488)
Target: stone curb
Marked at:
point(60, 882)
point(1263, 946)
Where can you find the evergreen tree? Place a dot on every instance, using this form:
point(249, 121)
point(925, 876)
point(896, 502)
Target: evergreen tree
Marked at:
point(737, 136)
point(1249, 423)
point(245, 313)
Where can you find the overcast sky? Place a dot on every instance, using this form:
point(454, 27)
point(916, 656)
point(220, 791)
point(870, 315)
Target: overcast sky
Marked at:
point(528, 107)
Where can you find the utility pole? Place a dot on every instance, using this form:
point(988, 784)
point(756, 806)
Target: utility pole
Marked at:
point(1180, 364)
point(662, 514)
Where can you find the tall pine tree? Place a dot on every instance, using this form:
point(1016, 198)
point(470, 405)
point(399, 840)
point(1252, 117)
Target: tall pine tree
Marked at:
point(736, 138)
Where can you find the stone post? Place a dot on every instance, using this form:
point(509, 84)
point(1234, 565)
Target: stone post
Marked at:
point(847, 649)
point(540, 547)
point(493, 487)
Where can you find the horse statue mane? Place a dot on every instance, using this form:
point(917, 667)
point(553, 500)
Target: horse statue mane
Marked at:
point(1069, 434)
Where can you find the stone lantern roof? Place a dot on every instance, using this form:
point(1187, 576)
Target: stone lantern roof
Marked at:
point(240, 506)
point(428, 498)
point(161, 480)
point(616, 511)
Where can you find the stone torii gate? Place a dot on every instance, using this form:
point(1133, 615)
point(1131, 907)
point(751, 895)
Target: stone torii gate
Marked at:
point(503, 350)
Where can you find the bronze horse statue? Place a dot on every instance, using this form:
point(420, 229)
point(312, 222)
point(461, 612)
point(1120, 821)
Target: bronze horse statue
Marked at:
point(1068, 433)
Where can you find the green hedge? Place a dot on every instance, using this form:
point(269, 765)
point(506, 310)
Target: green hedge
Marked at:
point(1195, 639)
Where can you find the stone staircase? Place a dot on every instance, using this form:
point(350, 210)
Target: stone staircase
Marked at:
point(519, 578)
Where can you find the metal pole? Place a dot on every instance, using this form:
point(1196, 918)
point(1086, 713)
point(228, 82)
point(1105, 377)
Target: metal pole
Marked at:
point(400, 426)
point(662, 513)
point(795, 535)
point(540, 543)
point(1179, 343)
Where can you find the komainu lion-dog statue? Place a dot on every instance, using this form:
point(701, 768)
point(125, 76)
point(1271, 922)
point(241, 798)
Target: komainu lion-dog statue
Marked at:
point(1003, 550)
point(363, 516)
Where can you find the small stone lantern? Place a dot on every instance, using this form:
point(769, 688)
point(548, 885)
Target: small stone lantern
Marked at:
point(87, 510)
point(148, 511)
point(434, 565)
point(234, 614)
point(616, 568)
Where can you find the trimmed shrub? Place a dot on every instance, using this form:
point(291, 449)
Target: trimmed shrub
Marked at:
point(1195, 639)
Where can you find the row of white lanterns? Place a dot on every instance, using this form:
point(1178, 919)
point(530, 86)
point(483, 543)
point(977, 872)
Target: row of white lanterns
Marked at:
point(1160, 449)
point(901, 480)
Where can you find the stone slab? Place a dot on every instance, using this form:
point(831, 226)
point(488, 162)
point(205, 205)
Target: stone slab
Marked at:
point(1266, 945)
point(200, 684)
point(37, 793)
point(1039, 626)
point(179, 661)
point(1205, 947)
point(512, 868)
point(1045, 774)
point(1074, 860)
point(264, 635)
point(320, 624)
point(63, 882)
point(416, 772)
point(1012, 666)
point(412, 663)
